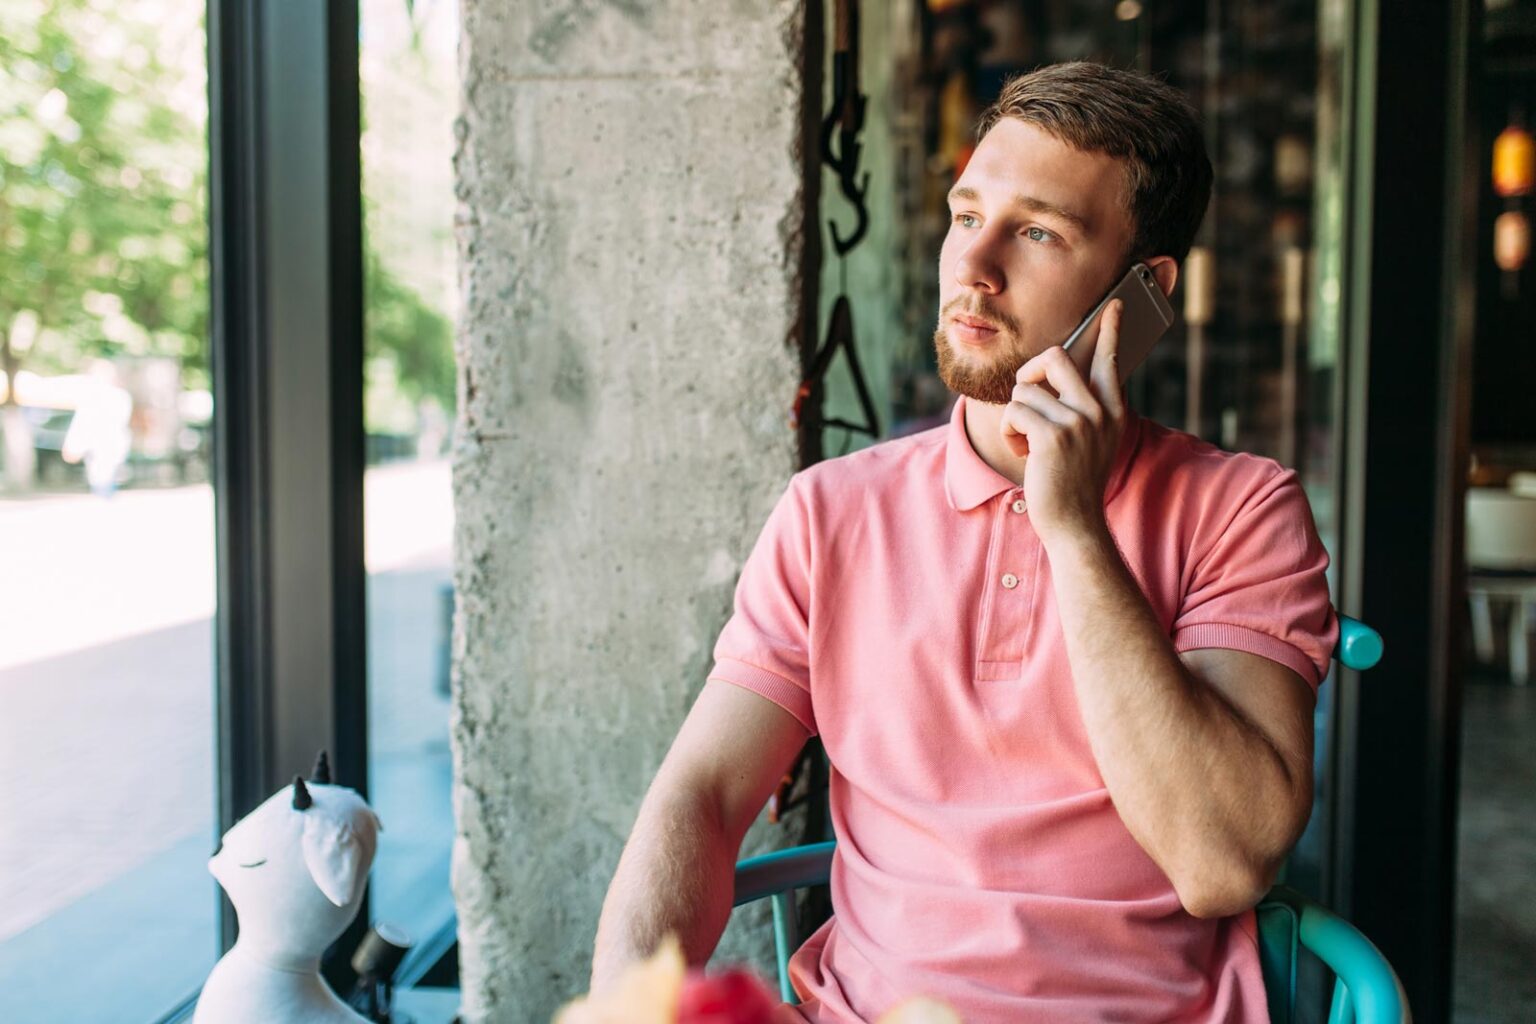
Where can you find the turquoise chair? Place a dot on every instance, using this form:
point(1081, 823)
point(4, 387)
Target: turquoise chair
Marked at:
point(1366, 989)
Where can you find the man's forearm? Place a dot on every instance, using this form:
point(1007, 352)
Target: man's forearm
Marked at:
point(677, 874)
point(1194, 782)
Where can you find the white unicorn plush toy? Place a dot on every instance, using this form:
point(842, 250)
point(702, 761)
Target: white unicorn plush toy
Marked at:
point(295, 868)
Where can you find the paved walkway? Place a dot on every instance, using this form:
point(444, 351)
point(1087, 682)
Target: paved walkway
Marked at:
point(106, 674)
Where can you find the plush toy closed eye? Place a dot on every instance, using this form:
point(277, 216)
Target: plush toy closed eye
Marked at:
point(295, 868)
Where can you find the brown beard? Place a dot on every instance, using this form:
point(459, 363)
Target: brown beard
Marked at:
point(981, 376)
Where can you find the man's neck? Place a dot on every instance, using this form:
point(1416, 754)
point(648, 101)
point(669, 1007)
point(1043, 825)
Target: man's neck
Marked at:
point(983, 428)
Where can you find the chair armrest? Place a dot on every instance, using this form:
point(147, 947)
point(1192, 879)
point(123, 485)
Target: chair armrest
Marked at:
point(1375, 992)
point(783, 870)
point(1360, 646)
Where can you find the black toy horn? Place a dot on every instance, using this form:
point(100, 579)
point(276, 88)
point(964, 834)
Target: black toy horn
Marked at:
point(302, 801)
point(322, 770)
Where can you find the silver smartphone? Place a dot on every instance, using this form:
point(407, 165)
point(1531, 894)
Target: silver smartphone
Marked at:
point(1145, 319)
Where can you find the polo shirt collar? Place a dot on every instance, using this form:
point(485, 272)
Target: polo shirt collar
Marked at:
point(969, 482)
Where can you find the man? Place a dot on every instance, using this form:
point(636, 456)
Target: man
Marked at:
point(1063, 659)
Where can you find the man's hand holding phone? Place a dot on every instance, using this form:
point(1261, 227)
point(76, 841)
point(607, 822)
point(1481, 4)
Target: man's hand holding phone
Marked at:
point(1070, 428)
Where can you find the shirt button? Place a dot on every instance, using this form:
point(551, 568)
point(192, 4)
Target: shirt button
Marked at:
point(1018, 505)
point(1010, 580)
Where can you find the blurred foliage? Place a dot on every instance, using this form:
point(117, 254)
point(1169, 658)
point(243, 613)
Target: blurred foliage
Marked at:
point(103, 239)
point(103, 200)
point(404, 331)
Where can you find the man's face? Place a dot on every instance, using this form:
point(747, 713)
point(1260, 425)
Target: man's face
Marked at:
point(1038, 233)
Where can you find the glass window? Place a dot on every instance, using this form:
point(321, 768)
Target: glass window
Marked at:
point(410, 100)
point(106, 512)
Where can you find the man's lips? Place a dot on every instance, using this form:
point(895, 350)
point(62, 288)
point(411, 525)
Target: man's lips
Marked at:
point(972, 330)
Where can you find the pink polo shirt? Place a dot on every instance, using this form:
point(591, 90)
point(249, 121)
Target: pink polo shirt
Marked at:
point(899, 604)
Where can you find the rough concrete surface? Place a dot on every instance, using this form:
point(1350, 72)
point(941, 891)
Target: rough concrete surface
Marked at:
point(629, 184)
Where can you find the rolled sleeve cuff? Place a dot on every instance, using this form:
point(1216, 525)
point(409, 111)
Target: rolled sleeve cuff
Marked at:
point(770, 685)
point(1241, 638)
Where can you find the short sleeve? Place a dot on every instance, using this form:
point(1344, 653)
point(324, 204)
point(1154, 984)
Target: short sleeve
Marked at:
point(1259, 582)
point(765, 645)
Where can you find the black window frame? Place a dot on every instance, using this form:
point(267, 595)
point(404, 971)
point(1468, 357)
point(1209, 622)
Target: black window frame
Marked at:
point(287, 320)
point(287, 308)
point(287, 316)
point(1407, 388)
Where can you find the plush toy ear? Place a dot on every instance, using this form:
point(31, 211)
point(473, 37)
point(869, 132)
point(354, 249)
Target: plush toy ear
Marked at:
point(334, 858)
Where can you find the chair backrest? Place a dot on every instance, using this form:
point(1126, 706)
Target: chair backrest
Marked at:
point(1280, 957)
point(1501, 529)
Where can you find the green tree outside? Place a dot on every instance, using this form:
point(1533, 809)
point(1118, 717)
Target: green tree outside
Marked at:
point(103, 204)
point(103, 238)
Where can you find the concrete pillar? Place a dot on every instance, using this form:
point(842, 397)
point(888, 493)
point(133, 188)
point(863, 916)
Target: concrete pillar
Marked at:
point(630, 184)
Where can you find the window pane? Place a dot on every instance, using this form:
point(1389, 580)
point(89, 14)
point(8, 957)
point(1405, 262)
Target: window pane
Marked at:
point(410, 99)
point(106, 512)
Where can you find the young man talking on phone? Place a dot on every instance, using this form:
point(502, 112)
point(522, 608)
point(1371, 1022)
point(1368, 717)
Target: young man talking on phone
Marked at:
point(1063, 659)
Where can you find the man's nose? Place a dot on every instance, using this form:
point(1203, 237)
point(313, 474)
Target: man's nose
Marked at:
point(978, 266)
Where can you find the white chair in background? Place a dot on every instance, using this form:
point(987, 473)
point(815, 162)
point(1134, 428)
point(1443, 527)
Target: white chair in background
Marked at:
point(1501, 562)
point(1523, 483)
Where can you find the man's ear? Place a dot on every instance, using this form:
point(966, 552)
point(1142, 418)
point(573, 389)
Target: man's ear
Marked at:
point(1166, 270)
point(334, 857)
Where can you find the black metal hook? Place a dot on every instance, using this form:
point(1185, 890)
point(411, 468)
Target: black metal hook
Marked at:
point(846, 121)
point(839, 336)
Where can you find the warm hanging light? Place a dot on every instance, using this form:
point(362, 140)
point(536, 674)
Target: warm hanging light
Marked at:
point(1514, 161)
point(957, 115)
point(1199, 286)
point(1511, 240)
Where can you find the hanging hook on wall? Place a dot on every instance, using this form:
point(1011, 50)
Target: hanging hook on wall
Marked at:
point(839, 336)
point(846, 120)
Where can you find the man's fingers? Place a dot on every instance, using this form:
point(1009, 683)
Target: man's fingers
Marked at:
point(1018, 421)
point(1054, 367)
point(1033, 372)
point(1039, 398)
point(1105, 372)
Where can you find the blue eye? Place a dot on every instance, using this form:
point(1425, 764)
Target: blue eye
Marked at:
point(961, 218)
point(1042, 231)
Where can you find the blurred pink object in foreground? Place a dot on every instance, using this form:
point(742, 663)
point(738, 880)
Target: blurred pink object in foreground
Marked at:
point(663, 990)
point(734, 997)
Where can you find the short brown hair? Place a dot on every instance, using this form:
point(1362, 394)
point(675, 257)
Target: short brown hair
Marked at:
point(1142, 120)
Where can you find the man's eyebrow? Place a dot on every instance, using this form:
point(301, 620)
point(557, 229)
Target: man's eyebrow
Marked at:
point(1029, 203)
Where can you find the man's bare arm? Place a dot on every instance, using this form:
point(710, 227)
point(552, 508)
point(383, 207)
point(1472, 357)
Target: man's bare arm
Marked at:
point(677, 870)
point(1208, 757)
